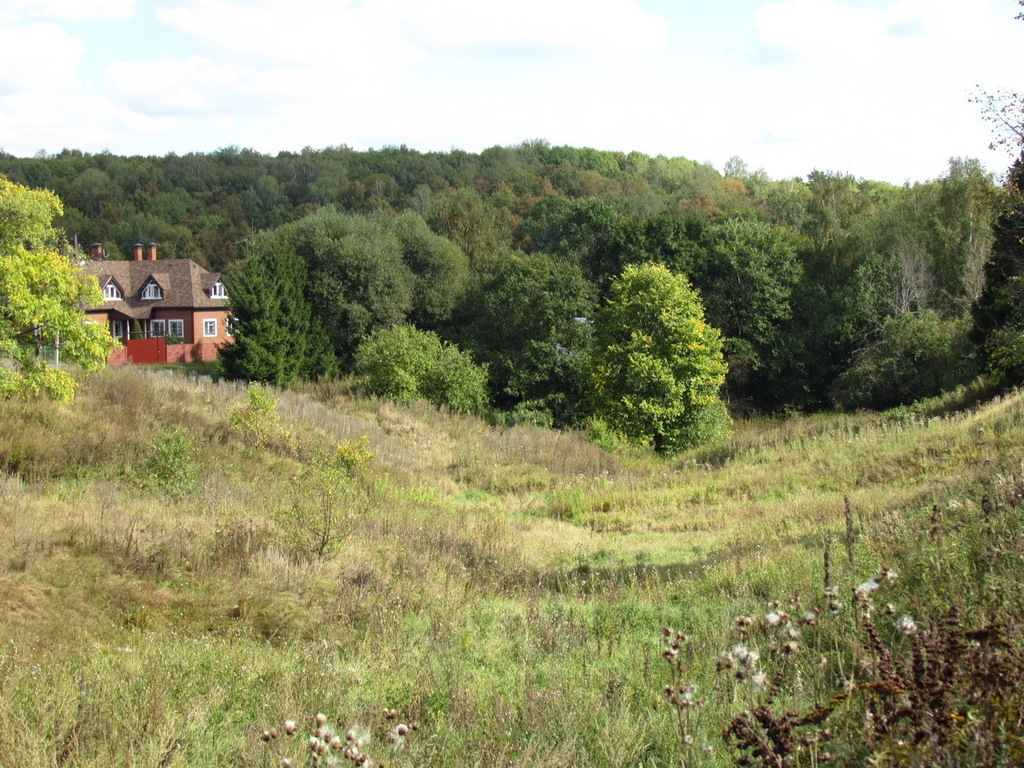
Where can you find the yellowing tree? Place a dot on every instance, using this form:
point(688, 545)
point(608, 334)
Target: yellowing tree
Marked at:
point(657, 365)
point(42, 296)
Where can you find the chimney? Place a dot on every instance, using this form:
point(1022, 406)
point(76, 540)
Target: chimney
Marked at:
point(137, 252)
point(96, 251)
point(151, 251)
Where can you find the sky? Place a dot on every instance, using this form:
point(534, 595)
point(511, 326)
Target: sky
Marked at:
point(879, 89)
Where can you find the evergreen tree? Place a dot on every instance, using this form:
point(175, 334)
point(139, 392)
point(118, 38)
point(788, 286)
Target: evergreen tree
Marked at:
point(277, 337)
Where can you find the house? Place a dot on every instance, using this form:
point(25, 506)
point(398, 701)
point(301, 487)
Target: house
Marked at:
point(174, 301)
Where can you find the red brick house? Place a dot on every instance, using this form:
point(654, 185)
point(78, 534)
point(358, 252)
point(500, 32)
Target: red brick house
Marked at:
point(173, 300)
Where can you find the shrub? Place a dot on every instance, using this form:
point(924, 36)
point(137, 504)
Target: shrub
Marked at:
point(256, 421)
point(916, 355)
point(405, 363)
point(327, 501)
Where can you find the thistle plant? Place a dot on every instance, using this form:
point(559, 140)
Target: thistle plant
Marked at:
point(680, 693)
point(327, 747)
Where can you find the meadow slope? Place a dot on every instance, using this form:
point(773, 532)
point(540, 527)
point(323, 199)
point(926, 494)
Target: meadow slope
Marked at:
point(187, 564)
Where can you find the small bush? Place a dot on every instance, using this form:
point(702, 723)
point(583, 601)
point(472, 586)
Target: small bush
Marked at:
point(326, 502)
point(404, 363)
point(171, 464)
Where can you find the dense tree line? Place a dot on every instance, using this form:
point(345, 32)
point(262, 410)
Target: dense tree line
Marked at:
point(827, 291)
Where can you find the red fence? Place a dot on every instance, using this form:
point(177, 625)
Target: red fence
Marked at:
point(143, 351)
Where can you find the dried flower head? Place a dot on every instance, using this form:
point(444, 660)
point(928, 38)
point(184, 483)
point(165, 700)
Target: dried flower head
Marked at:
point(906, 625)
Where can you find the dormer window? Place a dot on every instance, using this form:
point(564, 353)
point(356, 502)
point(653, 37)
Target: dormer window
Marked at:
point(152, 291)
point(217, 291)
point(111, 292)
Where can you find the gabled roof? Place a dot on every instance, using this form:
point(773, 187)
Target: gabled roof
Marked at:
point(185, 285)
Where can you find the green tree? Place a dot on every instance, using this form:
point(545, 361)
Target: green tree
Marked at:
point(440, 269)
point(405, 363)
point(277, 337)
point(999, 312)
point(42, 294)
point(530, 321)
point(746, 280)
point(657, 365)
point(915, 355)
point(358, 278)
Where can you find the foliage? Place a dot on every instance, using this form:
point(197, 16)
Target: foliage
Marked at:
point(256, 421)
point(394, 236)
point(529, 321)
point(746, 281)
point(326, 500)
point(998, 315)
point(441, 271)
point(41, 299)
point(171, 464)
point(916, 356)
point(405, 363)
point(657, 365)
point(277, 338)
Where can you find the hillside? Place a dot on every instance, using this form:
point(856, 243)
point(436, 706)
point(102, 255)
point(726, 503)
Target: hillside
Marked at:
point(189, 563)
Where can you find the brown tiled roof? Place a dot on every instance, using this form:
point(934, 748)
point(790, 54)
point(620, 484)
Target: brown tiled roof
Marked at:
point(184, 283)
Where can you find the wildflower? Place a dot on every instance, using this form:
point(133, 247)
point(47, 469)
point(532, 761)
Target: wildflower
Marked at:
point(865, 590)
point(758, 680)
point(286, 762)
point(809, 618)
point(321, 719)
point(289, 727)
point(906, 625)
point(745, 657)
point(686, 698)
point(774, 618)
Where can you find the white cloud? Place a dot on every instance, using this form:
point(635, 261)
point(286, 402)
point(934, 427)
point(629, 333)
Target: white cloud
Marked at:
point(74, 9)
point(194, 86)
point(37, 57)
point(606, 28)
point(34, 121)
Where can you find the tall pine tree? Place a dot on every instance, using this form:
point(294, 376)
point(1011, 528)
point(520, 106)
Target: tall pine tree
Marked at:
point(278, 338)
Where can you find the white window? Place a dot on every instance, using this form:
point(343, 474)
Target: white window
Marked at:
point(152, 291)
point(209, 327)
point(117, 329)
point(229, 326)
point(176, 328)
point(111, 292)
point(218, 291)
point(157, 328)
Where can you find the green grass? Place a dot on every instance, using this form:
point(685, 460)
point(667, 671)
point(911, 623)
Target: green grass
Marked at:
point(504, 588)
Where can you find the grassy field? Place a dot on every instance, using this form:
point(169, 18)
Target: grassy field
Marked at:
point(187, 565)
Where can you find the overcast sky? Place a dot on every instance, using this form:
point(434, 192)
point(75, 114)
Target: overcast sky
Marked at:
point(876, 88)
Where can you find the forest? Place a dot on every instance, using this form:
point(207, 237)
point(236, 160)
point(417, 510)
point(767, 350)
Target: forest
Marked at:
point(828, 292)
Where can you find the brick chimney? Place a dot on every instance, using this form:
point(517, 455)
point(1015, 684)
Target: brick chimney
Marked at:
point(137, 252)
point(96, 251)
point(151, 251)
